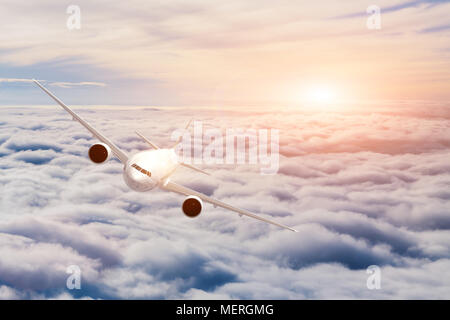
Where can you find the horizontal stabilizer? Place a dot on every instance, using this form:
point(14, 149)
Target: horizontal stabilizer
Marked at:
point(194, 168)
point(148, 141)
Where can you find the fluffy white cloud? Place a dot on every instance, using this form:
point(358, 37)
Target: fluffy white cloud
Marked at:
point(362, 189)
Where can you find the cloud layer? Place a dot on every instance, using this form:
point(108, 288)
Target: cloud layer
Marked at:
point(361, 188)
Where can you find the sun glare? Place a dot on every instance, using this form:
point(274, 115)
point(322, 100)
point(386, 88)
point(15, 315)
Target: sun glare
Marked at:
point(320, 95)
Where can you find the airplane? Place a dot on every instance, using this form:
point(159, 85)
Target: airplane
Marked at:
point(153, 168)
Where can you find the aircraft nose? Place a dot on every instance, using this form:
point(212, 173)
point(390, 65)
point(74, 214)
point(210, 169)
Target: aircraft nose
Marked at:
point(144, 171)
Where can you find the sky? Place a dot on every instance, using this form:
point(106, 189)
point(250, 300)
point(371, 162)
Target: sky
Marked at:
point(234, 53)
point(364, 129)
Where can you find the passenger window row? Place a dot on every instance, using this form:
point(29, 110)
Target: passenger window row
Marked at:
point(138, 168)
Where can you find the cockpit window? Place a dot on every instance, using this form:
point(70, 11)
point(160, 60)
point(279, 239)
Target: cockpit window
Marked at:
point(138, 168)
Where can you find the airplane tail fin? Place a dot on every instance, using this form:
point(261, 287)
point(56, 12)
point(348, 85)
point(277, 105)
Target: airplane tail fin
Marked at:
point(186, 165)
point(180, 138)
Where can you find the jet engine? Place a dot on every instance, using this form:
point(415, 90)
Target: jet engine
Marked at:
point(99, 152)
point(192, 206)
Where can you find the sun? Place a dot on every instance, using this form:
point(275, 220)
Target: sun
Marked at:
point(320, 95)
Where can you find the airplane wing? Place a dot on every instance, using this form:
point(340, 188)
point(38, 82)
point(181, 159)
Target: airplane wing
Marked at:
point(117, 152)
point(171, 186)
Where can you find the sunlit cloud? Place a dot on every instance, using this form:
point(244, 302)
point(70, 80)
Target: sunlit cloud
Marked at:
point(362, 188)
point(13, 80)
point(75, 84)
point(55, 84)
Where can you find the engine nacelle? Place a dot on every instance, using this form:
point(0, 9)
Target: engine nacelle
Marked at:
point(99, 152)
point(192, 206)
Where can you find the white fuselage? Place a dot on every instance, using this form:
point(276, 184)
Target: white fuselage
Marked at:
point(158, 165)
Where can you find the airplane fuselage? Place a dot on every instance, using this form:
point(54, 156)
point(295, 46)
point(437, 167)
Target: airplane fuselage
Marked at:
point(147, 169)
